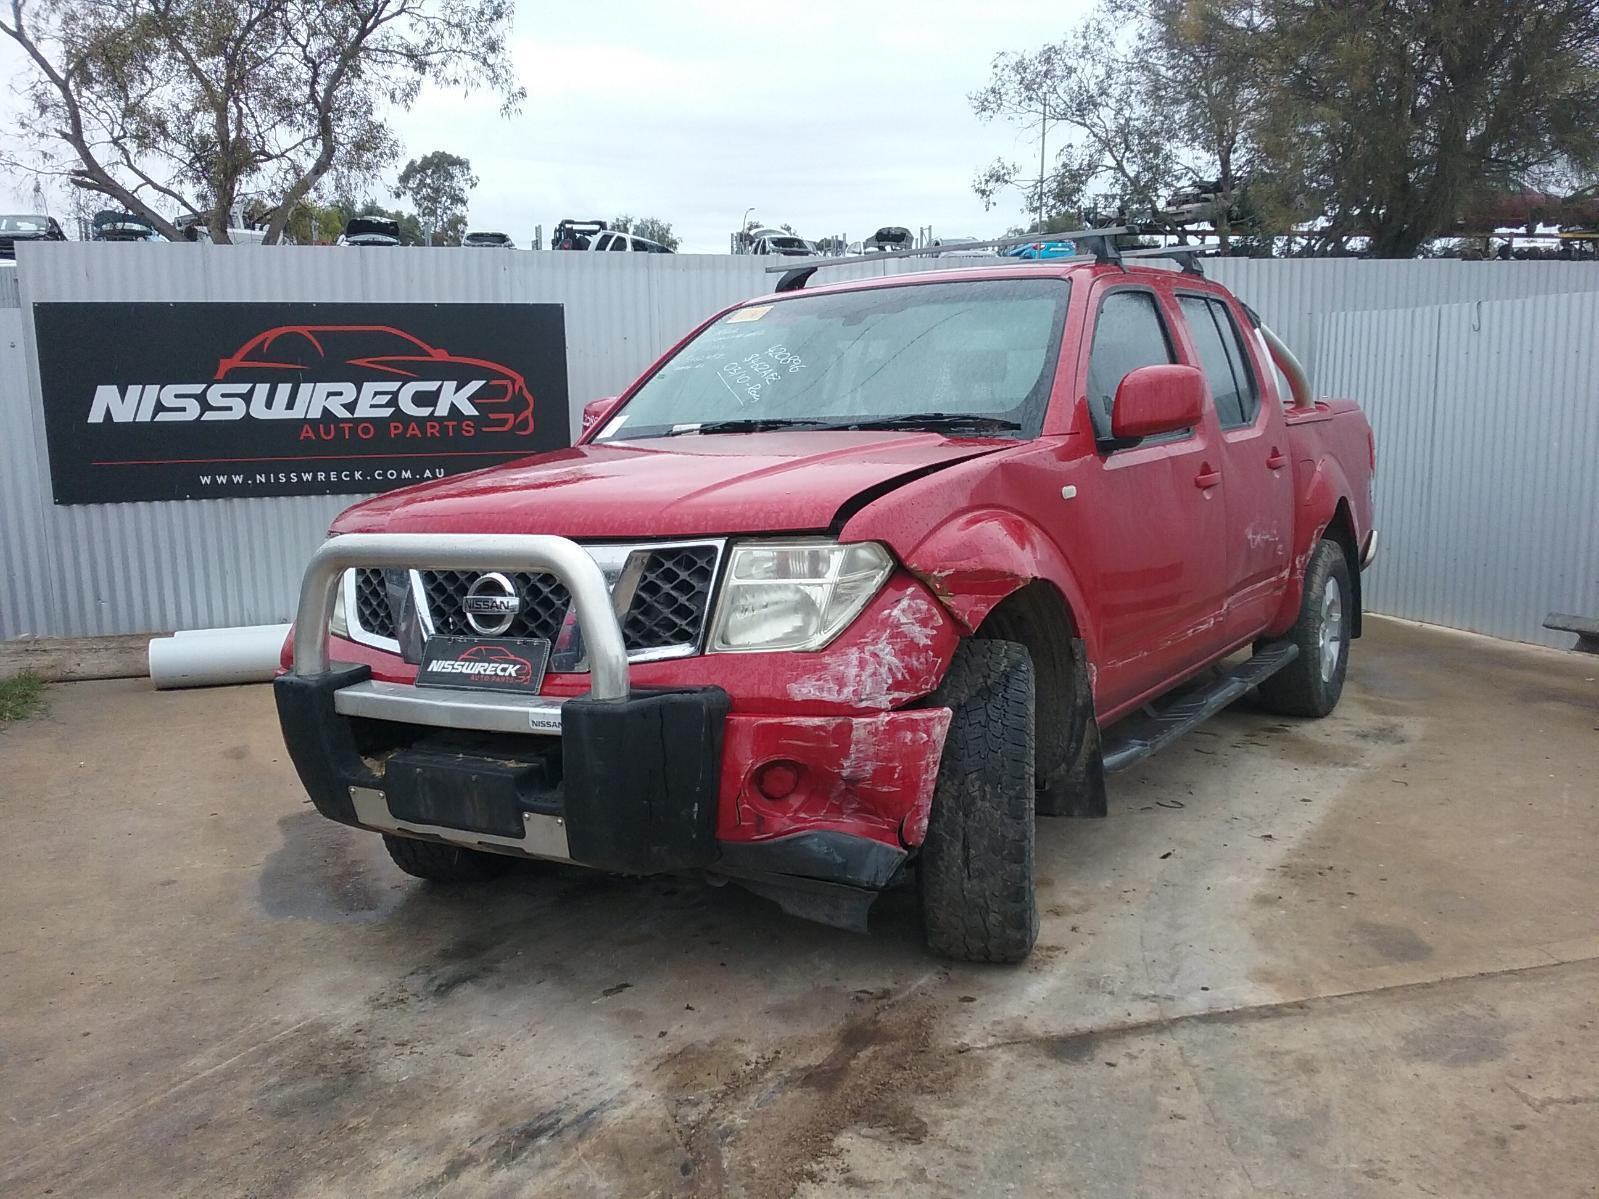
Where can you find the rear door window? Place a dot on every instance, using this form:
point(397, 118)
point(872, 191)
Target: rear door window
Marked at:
point(1128, 333)
point(1226, 388)
point(1232, 338)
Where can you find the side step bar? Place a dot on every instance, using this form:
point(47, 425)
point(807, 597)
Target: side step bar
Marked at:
point(1162, 723)
point(1586, 628)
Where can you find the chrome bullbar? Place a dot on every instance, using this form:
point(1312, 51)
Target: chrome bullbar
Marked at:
point(566, 560)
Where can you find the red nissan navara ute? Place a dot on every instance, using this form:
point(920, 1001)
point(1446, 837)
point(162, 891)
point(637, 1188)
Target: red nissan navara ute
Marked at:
point(851, 586)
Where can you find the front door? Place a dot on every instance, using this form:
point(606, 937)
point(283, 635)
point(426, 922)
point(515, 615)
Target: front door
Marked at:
point(1147, 523)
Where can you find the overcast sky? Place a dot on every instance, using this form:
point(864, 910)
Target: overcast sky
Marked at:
point(833, 117)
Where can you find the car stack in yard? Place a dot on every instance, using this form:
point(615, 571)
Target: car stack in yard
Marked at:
point(780, 242)
point(889, 237)
point(825, 605)
point(597, 235)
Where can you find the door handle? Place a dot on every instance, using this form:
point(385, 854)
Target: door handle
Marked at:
point(1278, 459)
point(1207, 477)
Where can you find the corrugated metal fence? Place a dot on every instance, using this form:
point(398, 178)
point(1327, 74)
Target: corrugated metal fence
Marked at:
point(1487, 423)
point(1291, 295)
point(87, 570)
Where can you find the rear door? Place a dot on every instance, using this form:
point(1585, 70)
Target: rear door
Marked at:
point(1254, 459)
point(1147, 521)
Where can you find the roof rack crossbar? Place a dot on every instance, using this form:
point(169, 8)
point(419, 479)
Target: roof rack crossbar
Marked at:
point(1186, 256)
point(1102, 246)
point(1102, 237)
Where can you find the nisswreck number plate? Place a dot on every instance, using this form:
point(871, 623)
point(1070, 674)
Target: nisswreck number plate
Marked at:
point(484, 664)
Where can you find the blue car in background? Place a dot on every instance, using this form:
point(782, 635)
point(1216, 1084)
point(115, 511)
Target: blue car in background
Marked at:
point(1043, 249)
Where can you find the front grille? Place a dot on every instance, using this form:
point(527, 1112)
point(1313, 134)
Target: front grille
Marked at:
point(544, 603)
point(671, 599)
point(372, 611)
point(669, 606)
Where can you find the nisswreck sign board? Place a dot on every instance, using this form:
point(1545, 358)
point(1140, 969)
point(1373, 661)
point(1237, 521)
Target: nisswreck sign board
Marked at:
point(211, 401)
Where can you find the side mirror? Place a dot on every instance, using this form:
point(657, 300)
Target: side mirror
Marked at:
point(595, 412)
point(1157, 399)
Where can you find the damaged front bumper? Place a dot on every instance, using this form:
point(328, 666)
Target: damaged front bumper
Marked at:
point(819, 812)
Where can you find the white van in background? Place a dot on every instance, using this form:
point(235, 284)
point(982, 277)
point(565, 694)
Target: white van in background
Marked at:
point(194, 228)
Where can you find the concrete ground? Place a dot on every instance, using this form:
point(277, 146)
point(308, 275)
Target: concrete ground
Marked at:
point(1343, 958)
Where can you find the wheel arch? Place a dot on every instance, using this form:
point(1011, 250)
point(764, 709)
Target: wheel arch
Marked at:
point(1340, 529)
point(1324, 512)
point(978, 559)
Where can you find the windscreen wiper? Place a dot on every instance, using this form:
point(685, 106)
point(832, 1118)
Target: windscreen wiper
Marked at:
point(941, 422)
point(754, 424)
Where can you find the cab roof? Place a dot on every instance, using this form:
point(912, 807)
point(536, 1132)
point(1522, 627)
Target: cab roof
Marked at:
point(1003, 269)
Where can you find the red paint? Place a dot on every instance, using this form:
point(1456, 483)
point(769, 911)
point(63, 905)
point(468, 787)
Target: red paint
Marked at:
point(1167, 555)
point(777, 780)
point(665, 487)
point(1153, 400)
point(595, 412)
point(868, 776)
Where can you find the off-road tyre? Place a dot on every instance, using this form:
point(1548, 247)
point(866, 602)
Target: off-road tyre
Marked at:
point(440, 863)
point(976, 868)
point(1311, 684)
point(1067, 776)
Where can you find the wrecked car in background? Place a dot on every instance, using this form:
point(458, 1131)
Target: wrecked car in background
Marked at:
point(110, 224)
point(370, 231)
point(849, 587)
point(26, 226)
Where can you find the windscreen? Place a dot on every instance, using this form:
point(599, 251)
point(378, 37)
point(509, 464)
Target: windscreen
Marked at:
point(976, 349)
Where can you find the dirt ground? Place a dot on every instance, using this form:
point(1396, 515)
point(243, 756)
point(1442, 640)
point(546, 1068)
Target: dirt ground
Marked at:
point(1344, 958)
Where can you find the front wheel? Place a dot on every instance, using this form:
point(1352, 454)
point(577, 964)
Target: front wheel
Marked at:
point(978, 902)
point(1311, 684)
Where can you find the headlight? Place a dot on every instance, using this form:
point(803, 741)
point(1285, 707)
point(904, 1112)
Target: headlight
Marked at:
point(339, 626)
point(795, 595)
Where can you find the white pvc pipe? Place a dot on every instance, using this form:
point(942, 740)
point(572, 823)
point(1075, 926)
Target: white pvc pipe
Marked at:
point(217, 657)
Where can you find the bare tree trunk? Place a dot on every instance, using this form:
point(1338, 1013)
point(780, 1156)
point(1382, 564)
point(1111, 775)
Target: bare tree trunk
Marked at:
point(1224, 218)
point(301, 187)
point(217, 226)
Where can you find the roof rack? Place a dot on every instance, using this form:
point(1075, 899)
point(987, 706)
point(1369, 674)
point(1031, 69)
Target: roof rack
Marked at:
point(1186, 256)
point(1099, 244)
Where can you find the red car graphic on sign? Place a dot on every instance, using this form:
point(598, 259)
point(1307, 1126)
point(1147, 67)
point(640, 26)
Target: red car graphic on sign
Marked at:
point(498, 654)
point(322, 351)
